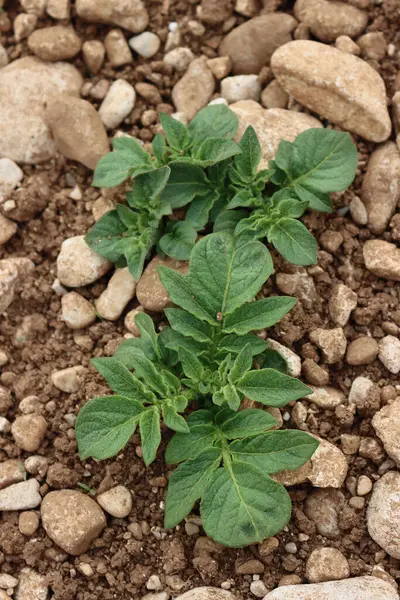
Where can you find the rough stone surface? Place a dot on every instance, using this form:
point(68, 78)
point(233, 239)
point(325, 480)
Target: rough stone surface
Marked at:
point(386, 423)
point(78, 131)
point(117, 104)
point(25, 87)
point(328, 20)
point(147, 44)
point(11, 471)
point(389, 353)
point(8, 228)
point(274, 96)
point(179, 58)
point(358, 588)
point(24, 24)
point(326, 564)
point(117, 501)
point(350, 93)
point(382, 258)
point(251, 45)
point(194, 89)
point(120, 290)
point(129, 14)
point(149, 291)
point(20, 496)
point(59, 9)
point(240, 87)
point(117, 48)
point(77, 312)
point(326, 397)
point(362, 351)
point(54, 43)
point(332, 342)
point(72, 520)
point(78, 265)
point(206, 593)
point(28, 522)
point(323, 507)
point(342, 301)
point(10, 176)
point(69, 380)
point(12, 273)
point(29, 431)
point(31, 586)
point(360, 390)
point(129, 321)
point(383, 514)
point(93, 54)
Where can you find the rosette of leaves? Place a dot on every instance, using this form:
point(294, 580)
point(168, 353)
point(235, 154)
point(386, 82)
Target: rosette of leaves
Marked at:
point(208, 359)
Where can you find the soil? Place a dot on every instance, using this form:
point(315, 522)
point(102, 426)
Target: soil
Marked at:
point(123, 558)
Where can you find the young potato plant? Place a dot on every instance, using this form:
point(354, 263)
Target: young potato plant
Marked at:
point(219, 182)
point(208, 360)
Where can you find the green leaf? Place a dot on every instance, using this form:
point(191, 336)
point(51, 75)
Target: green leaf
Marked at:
point(121, 380)
point(136, 150)
point(159, 149)
point(242, 364)
point(176, 341)
point(271, 387)
point(184, 446)
point(114, 168)
point(185, 182)
point(150, 434)
point(244, 198)
point(178, 243)
point(145, 324)
point(176, 133)
point(235, 343)
point(214, 150)
point(107, 236)
point(276, 450)
point(191, 365)
point(188, 325)
point(228, 219)
point(104, 425)
point(173, 420)
point(249, 421)
point(127, 351)
point(247, 162)
point(148, 186)
point(197, 215)
point(272, 359)
point(147, 371)
point(258, 315)
point(231, 396)
point(187, 484)
point(213, 121)
point(242, 506)
point(135, 253)
point(288, 203)
point(293, 240)
point(200, 417)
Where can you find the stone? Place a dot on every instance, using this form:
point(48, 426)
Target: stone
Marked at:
point(10, 176)
point(382, 258)
point(314, 373)
point(241, 87)
point(274, 96)
point(328, 20)
point(26, 85)
point(292, 360)
point(78, 265)
point(350, 443)
point(36, 465)
point(192, 92)
point(341, 303)
point(389, 353)
point(24, 24)
point(215, 11)
point(129, 14)
point(346, 44)
point(130, 321)
point(206, 593)
point(332, 342)
point(298, 284)
point(258, 589)
point(20, 496)
point(31, 586)
point(29, 431)
point(13, 271)
point(28, 523)
point(7, 581)
point(364, 486)
point(117, 48)
point(149, 92)
point(251, 45)
point(386, 423)
point(350, 93)
point(77, 312)
point(69, 380)
point(59, 9)
point(373, 45)
point(383, 513)
point(3, 56)
point(326, 397)
point(326, 564)
point(11, 471)
point(331, 240)
point(93, 54)
point(117, 104)
point(362, 351)
point(72, 520)
point(357, 588)
point(380, 190)
point(372, 449)
point(36, 7)
point(179, 58)
point(120, 290)
point(147, 44)
point(220, 67)
point(55, 43)
point(77, 129)
point(323, 507)
point(117, 502)
point(150, 292)
point(8, 228)
point(358, 211)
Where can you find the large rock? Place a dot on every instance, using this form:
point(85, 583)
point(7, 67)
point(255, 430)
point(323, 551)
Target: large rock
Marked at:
point(55, 43)
point(78, 130)
point(206, 593)
point(31, 586)
point(380, 190)
point(120, 290)
point(350, 93)
point(251, 45)
point(386, 423)
point(326, 564)
point(194, 89)
point(150, 292)
point(20, 496)
point(130, 14)
point(382, 259)
point(358, 588)
point(271, 125)
point(26, 85)
point(118, 103)
point(383, 515)
point(328, 20)
point(78, 265)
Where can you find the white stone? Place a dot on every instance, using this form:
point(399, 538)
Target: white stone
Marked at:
point(293, 361)
point(120, 290)
point(154, 583)
point(258, 589)
point(77, 312)
point(78, 265)
point(130, 14)
point(69, 380)
point(179, 58)
point(358, 211)
point(206, 593)
point(326, 397)
point(10, 176)
point(383, 514)
point(31, 586)
point(7, 581)
point(117, 502)
point(117, 104)
point(389, 353)
point(358, 588)
point(147, 44)
point(23, 25)
point(58, 9)
point(241, 87)
point(8, 228)
point(360, 390)
point(20, 496)
point(386, 423)
point(341, 303)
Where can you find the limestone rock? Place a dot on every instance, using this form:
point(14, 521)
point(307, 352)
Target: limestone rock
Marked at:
point(149, 291)
point(69, 380)
point(120, 290)
point(55, 43)
point(240, 87)
point(10, 176)
point(78, 265)
point(323, 507)
point(251, 45)
point(328, 20)
point(8, 228)
point(215, 11)
point(362, 351)
point(382, 258)
point(179, 58)
point(206, 593)
point(341, 303)
point(117, 104)
point(357, 588)
point(93, 54)
point(35, 7)
point(147, 44)
point(298, 284)
point(11, 471)
point(389, 353)
point(72, 520)
point(194, 89)
point(24, 24)
point(386, 423)
point(326, 564)
point(326, 397)
point(274, 96)
point(26, 85)
point(220, 67)
point(20, 496)
point(350, 93)
point(31, 586)
point(59, 9)
point(117, 501)
point(383, 514)
point(77, 312)
point(12, 273)
point(332, 342)
point(129, 14)
point(373, 45)
point(117, 48)
point(29, 431)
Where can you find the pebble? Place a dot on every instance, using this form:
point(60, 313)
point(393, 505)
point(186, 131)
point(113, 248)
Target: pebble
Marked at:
point(326, 564)
point(11, 471)
point(293, 361)
point(23, 25)
point(5, 425)
point(28, 523)
point(20, 496)
point(192, 92)
point(382, 258)
point(350, 443)
point(350, 93)
point(117, 502)
point(147, 44)
point(12, 273)
point(386, 423)
point(10, 176)
point(69, 380)
point(7, 581)
point(274, 96)
point(36, 465)
point(85, 569)
point(331, 240)
point(36, 7)
point(154, 583)
point(251, 45)
point(298, 284)
point(250, 567)
point(72, 520)
point(314, 373)
point(117, 48)
point(3, 56)
point(362, 351)
point(389, 353)
point(59, 9)
point(8, 228)
point(78, 265)
point(78, 130)
point(241, 87)
point(26, 85)
point(357, 588)
point(383, 514)
point(373, 45)
point(130, 321)
point(341, 303)
point(149, 291)
point(120, 290)
point(358, 211)
point(179, 58)
point(364, 485)
point(328, 21)
point(372, 449)
point(220, 67)
point(131, 15)
point(77, 312)
point(206, 593)
point(149, 92)
point(55, 43)
point(346, 44)
point(93, 54)
point(29, 431)
point(326, 397)
point(332, 342)
point(117, 104)
point(31, 586)
point(258, 588)
point(323, 507)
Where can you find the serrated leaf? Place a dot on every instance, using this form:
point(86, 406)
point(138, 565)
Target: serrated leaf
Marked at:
point(184, 446)
point(293, 240)
point(249, 421)
point(258, 315)
point(177, 133)
point(271, 387)
point(178, 243)
point(247, 162)
point(150, 434)
point(213, 121)
point(242, 364)
point(276, 450)
point(235, 343)
point(191, 365)
point(121, 380)
point(188, 325)
point(173, 420)
point(185, 182)
point(213, 150)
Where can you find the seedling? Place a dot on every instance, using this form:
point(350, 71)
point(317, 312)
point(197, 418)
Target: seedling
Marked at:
point(208, 361)
point(219, 182)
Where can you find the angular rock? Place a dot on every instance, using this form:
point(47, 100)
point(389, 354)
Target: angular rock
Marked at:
point(251, 45)
point(373, 45)
point(10, 176)
point(357, 588)
point(362, 351)
point(24, 24)
point(26, 85)
point(382, 259)
point(117, 48)
point(12, 273)
point(179, 58)
point(31, 586)
point(328, 20)
point(206, 593)
point(149, 291)
point(129, 14)
point(220, 67)
point(117, 501)
point(93, 54)
point(215, 11)
point(11, 471)
point(241, 87)
point(77, 312)
point(386, 423)
point(383, 514)
point(389, 353)
point(69, 380)
point(72, 520)
point(117, 104)
point(298, 284)
point(326, 397)
point(78, 265)
point(147, 44)
point(326, 564)
point(120, 290)
point(341, 303)
point(54, 43)
point(332, 342)
point(8, 228)
point(380, 190)
point(274, 96)
point(77, 129)
point(29, 431)
point(350, 93)
point(323, 507)
point(20, 496)
point(194, 89)
point(59, 9)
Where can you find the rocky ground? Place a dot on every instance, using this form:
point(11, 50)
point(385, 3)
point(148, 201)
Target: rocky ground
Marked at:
point(71, 78)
